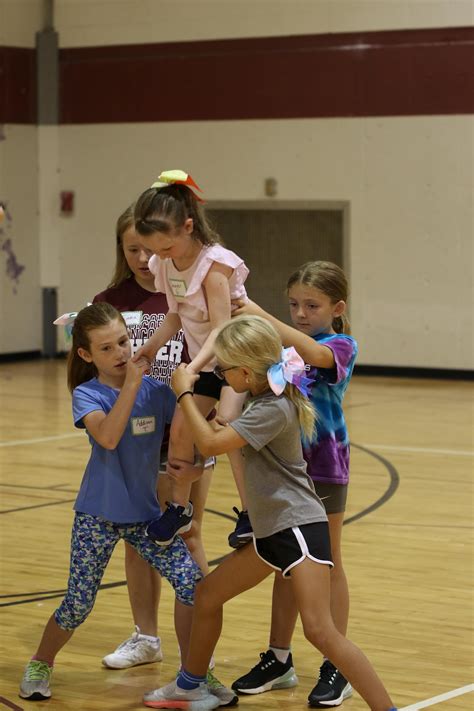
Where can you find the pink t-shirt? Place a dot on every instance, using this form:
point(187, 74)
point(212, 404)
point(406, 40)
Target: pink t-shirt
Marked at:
point(186, 296)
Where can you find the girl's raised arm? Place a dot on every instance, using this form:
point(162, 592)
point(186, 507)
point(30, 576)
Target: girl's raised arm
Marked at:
point(107, 429)
point(207, 440)
point(170, 325)
point(217, 291)
point(312, 352)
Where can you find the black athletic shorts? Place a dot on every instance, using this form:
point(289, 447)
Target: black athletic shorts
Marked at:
point(209, 385)
point(287, 548)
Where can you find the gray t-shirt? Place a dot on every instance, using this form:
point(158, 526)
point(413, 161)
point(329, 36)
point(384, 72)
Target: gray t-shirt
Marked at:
point(279, 491)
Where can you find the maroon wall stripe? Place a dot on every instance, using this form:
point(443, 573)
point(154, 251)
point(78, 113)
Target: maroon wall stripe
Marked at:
point(396, 73)
point(393, 73)
point(17, 85)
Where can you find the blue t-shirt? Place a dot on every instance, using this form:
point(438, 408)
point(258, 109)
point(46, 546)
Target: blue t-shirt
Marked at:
point(119, 484)
point(328, 455)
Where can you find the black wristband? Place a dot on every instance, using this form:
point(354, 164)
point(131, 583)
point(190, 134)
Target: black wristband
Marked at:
point(186, 392)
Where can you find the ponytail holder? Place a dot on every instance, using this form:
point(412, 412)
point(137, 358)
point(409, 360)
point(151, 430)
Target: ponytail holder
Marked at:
point(176, 177)
point(290, 369)
point(66, 319)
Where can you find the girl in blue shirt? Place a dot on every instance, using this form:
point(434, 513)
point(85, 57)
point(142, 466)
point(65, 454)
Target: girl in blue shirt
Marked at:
point(124, 413)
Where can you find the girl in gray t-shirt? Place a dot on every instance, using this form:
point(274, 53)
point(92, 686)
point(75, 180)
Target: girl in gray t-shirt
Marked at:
point(289, 522)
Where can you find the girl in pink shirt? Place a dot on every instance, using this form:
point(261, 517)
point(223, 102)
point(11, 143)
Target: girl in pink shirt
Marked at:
point(200, 278)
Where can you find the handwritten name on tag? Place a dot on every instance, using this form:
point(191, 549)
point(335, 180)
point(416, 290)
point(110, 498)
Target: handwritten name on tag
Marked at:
point(143, 425)
point(132, 318)
point(178, 287)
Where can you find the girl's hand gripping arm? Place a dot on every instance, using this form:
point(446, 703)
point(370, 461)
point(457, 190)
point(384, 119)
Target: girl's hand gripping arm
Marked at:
point(310, 350)
point(216, 287)
point(107, 429)
point(170, 325)
point(207, 440)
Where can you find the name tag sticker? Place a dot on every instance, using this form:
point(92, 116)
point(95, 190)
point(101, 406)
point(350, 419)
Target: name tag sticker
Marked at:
point(178, 287)
point(143, 425)
point(132, 318)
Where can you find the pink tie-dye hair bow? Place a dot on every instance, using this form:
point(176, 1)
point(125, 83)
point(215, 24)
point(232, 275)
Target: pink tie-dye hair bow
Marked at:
point(290, 369)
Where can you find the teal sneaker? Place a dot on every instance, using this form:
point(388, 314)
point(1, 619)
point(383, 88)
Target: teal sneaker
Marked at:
point(35, 682)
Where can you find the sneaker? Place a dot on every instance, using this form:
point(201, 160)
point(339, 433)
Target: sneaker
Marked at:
point(243, 532)
point(268, 674)
point(172, 697)
point(226, 696)
point(35, 682)
point(136, 650)
point(332, 688)
point(173, 521)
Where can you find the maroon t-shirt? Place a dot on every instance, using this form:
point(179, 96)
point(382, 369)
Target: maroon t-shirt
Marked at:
point(130, 296)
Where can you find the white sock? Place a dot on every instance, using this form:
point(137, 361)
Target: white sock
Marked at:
point(280, 653)
point(150, 637)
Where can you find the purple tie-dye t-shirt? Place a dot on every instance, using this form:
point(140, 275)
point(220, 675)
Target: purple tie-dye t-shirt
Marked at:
point(328, 454)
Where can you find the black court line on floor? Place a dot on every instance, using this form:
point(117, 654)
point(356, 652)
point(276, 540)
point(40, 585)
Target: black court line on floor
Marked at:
point(10, 704)
point(394, 480)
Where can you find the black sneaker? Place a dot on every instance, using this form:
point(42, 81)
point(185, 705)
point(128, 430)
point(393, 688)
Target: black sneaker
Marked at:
point(173, 521)
point(243, 532)
point(268, 674)
point(332, 688)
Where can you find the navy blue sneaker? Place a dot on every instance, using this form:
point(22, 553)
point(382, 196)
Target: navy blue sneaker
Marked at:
point(243, 532)
point(173, 521)
point(332, 688)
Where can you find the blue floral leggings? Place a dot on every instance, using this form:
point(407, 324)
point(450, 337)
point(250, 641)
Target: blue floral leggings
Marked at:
point(92, 543)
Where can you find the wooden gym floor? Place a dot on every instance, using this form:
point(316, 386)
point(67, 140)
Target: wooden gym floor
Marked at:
point(407, 549)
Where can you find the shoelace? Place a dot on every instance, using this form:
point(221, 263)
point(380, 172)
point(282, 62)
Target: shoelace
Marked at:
point(239, 513)
point(327, 672)
point(212, 681)
point(265, 661)
point(131, 642)
point(37, 671)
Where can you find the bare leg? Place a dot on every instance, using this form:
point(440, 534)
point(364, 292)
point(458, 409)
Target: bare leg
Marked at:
point(181, 447)
point(199, 491)
point(240, 571)
point(193, 538)
point(183, 615)
point(284, 610)
point(311, 586)
point(144, 588)
point(339, 587)
point(230, 407)
point(284, 613)
point(53, 640)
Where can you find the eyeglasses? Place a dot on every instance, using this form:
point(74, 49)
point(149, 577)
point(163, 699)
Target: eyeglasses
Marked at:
point(219, 372)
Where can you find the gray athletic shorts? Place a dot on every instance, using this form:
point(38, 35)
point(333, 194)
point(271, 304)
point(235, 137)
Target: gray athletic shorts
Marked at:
point(333, 496)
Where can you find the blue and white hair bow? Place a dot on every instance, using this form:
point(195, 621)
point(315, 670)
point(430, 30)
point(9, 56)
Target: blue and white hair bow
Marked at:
point(290, 369)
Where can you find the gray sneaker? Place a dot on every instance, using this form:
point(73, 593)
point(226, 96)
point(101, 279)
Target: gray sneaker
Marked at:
point(226, 696)
point(35, 682)
point(136, 650)
point(172, 697)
